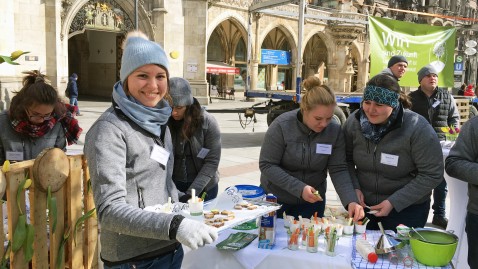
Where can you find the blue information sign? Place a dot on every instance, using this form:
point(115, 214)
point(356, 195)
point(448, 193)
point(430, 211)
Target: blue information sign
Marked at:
point(458, 66)
point(275, 57)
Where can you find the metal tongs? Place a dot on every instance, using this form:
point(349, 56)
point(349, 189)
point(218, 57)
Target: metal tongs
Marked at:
point(387, 243)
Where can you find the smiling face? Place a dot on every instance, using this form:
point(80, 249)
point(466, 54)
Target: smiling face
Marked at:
point(148, 84)
point(318, 117)
point(399, 69)
point(376, 113)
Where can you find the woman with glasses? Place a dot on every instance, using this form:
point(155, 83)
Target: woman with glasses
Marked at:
point(37, 119)
point(196, 143)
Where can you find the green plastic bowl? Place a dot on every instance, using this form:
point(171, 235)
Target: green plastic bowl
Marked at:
point(437, 249)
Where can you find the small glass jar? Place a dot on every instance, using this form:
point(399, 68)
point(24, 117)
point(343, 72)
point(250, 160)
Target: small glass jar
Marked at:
point(348, 230)
point(293, 241)
point(312, 243)
point(304, 237)
point(330, 246)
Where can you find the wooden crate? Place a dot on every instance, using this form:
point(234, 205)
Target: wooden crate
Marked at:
point(463, 106)
point(74, 199)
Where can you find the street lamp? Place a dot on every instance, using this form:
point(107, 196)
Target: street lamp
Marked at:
point(470, 51)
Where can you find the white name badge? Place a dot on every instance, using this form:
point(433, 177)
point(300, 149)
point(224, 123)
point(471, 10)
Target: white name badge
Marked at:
point(14, 155)
point(203, 153)
point(389, 159)
point(323, 149)
point(437, 102)
point(160, 154)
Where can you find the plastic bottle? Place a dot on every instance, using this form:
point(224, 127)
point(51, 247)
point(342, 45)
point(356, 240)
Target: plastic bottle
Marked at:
point(366, 250)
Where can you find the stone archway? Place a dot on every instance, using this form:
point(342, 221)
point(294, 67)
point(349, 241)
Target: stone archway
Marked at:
point(315, 58)
point(277, 76)
point(273, 76)
point(91, 36)
point(222, 44)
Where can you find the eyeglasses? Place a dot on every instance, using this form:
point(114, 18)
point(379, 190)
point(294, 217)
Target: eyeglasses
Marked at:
point(39, 117)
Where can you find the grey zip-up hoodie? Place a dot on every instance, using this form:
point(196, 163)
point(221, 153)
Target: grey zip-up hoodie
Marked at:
point(207, 137)
point(387, 71)
point(10, 140)
point(124, 180)
point(288, 160)
point(462, 162)
point(404, 167)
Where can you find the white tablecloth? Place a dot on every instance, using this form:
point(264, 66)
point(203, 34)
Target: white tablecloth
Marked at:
point(252, 257)
point(458, 195)
point(278, 257)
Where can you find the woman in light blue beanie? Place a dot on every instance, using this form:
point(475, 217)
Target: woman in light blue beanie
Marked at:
point(196, 142)
point(130, 157)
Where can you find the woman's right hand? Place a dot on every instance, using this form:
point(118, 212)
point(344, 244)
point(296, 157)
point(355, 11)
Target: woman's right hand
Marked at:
point(360, 197)
point(309, 196)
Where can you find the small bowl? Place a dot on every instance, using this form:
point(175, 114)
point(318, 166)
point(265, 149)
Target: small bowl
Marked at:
point(348, 229)
point(360, 229)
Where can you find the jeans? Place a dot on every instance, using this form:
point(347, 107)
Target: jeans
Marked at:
point(439, 196)
point(170, 261)
point(412, 216)
point(74, 102)
point(472, 234)
point(306, 210)
point(211, 193)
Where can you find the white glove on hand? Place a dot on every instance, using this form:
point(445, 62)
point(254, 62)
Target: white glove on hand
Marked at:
point(195, 234)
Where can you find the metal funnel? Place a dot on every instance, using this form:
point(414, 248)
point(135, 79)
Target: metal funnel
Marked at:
point(386, 243)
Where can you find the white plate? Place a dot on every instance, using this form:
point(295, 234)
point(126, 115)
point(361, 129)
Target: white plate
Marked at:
point(241, 216)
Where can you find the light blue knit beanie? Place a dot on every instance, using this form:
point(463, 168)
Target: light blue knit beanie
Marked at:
point(138, 50)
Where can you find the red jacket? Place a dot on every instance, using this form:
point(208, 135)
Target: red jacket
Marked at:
point(469, 92)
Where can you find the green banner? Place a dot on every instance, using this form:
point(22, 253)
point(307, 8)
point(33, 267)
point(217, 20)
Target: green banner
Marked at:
point(421, 44)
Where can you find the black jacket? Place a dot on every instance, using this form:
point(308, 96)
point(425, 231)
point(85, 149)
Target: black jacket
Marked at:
point(442, 105)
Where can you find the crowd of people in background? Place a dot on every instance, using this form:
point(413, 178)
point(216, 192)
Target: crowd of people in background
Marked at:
point(156, 143)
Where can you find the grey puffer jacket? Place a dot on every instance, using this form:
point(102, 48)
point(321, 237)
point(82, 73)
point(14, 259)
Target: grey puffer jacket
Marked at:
point(288, 160)
point(207, 137)
point(462, 161)
point(403, 168)
point(125, 180)
point(10, 140)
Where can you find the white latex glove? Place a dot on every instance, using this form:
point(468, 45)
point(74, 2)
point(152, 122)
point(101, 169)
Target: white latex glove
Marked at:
point(195, 234)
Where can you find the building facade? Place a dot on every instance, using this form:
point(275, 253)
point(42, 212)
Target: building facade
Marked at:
point(85, 37)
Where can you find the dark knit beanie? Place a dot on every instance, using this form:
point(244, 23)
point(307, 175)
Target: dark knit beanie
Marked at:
point(396, 59)
point(425, 71)
point(180, 92)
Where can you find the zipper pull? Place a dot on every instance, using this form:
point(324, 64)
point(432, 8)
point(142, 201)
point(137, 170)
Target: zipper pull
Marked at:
point(140, 198)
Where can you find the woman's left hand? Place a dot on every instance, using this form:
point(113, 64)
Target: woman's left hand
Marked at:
point(383, 208)
point(356, 211)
